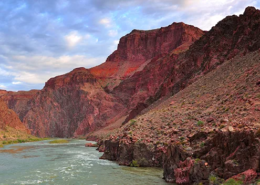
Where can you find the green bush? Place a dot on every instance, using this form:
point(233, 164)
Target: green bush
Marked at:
point(21, 141)
point(200, 123)
point(212, 179)
point(232, 182)
point(134, 164)
point(132, 122)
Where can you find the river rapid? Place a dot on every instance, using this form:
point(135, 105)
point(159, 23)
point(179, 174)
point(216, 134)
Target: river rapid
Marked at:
point(68, 164)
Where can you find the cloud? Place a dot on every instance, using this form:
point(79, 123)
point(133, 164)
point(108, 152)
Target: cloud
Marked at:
point(112, 33)
point(2, 86)
point(105, 21)
point(113, 46)
point(47, 67)
point(73, 39)
point(16, 83)
point(42, 39)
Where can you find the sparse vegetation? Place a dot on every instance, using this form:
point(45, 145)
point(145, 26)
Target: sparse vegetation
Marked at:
point(132, 122)
point(134, 164)
point(197, 160)
point(221, 126)
point(200, 123)
point(59, 141)
point(212, 179)
point(12, 136)
point(232, 182)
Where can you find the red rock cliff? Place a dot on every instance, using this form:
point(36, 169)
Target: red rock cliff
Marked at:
point(76, 103)
point(136, 49)
point(70, 105)
point(9, 118)
point(18, 101)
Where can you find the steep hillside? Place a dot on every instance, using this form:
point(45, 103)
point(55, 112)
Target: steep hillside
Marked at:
point(225, 100)
point(216, 119)
point(169, 74)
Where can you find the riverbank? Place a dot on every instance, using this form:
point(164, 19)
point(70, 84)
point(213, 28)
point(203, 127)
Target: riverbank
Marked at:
point(10, 135)
point(210, 157)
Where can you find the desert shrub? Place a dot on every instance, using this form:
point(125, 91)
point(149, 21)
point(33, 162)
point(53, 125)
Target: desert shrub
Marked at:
point(134, 163)
point(200, 123)
point(132, 122)
point(232, 182)
point(212, 179)
point(21, 141)
point(221, 126)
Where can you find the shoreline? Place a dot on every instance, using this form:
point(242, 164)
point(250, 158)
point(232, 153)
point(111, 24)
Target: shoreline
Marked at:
point(225, 156)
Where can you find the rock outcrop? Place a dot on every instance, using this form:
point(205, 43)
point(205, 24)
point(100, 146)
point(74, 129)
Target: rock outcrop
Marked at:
point(131, 153)
point(225, 153)
point(136, 49)
point(8, 118)
point(18, 101)
point(70, 105)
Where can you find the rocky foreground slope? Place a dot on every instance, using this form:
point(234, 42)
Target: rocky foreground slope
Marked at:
point(209, 130)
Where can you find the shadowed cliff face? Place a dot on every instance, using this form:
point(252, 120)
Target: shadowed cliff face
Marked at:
point(18, 101)
point(9, 118)
point(70, 105)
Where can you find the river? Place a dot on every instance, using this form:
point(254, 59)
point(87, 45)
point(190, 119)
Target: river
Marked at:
point(67, 164)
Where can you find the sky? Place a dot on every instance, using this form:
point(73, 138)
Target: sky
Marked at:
point(40, 39)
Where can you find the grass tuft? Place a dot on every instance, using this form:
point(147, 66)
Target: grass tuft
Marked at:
point(58, 141)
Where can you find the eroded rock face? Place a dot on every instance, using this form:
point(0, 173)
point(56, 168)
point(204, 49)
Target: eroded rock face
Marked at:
point(171, 160)
point(9, 118)
point(18, 101)
point(70, 105)
point(225, 153)
point(136, 49)
point(132, 153)
point(246, 177)
point(230, 153)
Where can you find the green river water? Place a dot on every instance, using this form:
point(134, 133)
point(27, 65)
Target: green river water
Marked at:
point(67, 164)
